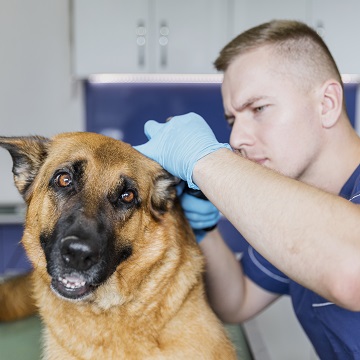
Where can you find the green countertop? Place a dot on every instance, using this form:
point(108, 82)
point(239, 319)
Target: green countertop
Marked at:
point(20, 340)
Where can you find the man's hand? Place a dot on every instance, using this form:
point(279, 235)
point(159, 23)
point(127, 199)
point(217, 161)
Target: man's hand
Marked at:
point(178, 144)
point(200, 213)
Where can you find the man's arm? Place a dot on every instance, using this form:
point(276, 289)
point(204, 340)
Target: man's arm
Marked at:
point(310, 235)
point(232, 295)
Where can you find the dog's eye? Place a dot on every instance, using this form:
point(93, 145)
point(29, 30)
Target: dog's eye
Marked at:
point(127, 196)
point(63, 180)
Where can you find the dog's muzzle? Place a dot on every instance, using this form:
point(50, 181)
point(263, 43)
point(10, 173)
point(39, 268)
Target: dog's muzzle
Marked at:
point(77, 257)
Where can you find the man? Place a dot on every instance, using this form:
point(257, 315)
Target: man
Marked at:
point(294, 152)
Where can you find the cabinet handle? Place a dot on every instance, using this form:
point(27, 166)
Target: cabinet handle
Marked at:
point(141, 42)
point(164, 32)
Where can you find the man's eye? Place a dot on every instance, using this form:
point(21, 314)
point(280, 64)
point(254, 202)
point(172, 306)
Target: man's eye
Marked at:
point(63, 180)
point(259, 109)
point(230, 121)
point(127, 196)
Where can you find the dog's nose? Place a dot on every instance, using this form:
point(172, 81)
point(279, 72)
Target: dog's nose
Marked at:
point(79, 254)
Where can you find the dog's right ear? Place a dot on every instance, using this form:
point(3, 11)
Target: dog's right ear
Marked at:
point(28, 154)
point(164, 194)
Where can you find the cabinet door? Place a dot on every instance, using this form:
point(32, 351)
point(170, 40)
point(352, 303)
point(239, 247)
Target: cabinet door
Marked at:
point(338, 23)
point(110, 36)
point(189, 34)
point(249, 13)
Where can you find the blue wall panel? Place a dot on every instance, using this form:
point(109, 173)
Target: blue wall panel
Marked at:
point(126, 107)
point(13, 259)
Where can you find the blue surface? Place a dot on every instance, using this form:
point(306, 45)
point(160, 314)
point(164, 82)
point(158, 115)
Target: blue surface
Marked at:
point(12, 255)
point(126, 107)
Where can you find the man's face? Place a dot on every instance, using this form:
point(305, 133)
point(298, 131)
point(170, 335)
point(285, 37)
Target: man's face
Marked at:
point(274, 122)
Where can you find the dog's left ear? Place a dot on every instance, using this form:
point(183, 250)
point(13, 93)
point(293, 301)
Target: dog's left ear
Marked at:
point(28, 154)
point(164, 194)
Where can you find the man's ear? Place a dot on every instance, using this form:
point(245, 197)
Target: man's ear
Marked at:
point(28, 154)
point(163, 195)
point(332, 103)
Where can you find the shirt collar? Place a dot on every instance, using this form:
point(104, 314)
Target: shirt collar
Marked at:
point(348, 188)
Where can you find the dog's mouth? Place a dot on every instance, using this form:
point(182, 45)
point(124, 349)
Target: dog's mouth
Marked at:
point(72, 287)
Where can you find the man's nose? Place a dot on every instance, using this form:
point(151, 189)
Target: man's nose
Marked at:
point(242, 133)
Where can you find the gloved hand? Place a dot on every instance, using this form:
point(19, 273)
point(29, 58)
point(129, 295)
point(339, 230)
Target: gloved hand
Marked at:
point(200, 213)
point(178, 144)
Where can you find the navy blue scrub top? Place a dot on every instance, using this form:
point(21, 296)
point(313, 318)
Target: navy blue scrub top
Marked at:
point(333, 331)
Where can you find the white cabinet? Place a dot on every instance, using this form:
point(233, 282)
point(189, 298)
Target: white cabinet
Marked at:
point(171, 36)
point(106, 35)
point(148, 36)
point(249, 13)
point(338, 23)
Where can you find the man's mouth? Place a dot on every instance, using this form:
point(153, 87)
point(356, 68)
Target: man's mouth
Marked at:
point(257, 160)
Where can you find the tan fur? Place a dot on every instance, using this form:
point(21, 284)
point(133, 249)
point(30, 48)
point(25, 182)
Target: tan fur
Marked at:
point(16, 298)
point(153, 306)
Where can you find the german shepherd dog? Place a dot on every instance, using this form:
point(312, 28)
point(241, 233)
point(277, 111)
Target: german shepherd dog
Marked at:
point(116, 271)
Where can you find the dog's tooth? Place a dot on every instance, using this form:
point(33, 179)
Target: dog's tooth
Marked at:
point(71, 284)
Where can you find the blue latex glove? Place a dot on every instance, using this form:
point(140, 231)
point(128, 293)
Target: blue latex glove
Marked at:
point(200, 213)
point(178, 144)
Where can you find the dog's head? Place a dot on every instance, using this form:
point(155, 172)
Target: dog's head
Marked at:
point(94, 203)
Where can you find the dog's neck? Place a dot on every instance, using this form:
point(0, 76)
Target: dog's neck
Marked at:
point(142, 306)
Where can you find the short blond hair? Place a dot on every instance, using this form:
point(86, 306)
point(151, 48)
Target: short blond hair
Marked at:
point(295, 43)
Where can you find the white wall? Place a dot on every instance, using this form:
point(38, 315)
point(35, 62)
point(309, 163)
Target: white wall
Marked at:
point(37, 93)
point(276, 334)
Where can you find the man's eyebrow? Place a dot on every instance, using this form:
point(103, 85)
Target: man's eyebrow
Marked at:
point(249, 102)
point(244, 105)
